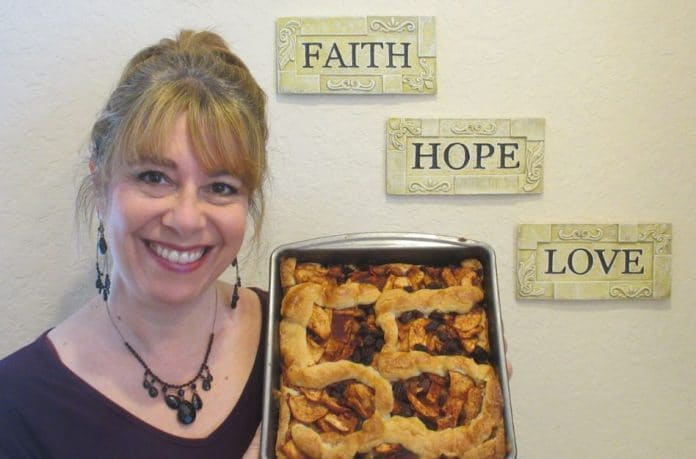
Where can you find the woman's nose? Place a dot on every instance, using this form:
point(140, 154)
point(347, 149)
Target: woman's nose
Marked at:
point(185, 215)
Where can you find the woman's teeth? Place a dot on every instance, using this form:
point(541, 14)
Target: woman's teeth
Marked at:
point(175, 256)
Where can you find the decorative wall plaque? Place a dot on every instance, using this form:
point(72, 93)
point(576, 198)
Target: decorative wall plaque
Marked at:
point(586, 262)
point(356, 55)
point(465, 156)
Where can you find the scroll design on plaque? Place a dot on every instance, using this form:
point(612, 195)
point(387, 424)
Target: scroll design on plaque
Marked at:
point(399, 129)
point(581, 234)
point(348, 84)
point(422, 81)
point(526, 276)
point(535, 168)
point(286, 43)
point(662, 238)
point(429, 187)
point(471, 128)
point(630, 292)
point(392, 25)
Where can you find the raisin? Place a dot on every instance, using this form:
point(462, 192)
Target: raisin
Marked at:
point(432, 326)
point(408, 289)
point(452, 347)
point(363, 330)
point(356, 356)
point(437, 315)
point(441, 399)
point(480, 355)
point(341, 386)
point(369, 340)
point(443, 333)
point(420, 347)
point(379, 344)
point(406, 317)
point(406, 411)
point(434, 285)
point(429, 423)
point(399, 391)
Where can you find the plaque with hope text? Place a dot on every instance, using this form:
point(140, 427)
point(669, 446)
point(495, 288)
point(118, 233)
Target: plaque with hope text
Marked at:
point(465, 156)
point(356, 55)
point(594, 261)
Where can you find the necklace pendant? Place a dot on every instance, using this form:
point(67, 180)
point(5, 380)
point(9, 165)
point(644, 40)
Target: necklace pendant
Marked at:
point(196, 402)
point(186, 413)
point(172, 401)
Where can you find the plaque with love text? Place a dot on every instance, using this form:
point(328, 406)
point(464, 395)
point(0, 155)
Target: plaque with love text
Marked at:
point(594, 261)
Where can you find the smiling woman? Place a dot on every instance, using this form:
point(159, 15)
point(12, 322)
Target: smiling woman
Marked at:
point(177, 161)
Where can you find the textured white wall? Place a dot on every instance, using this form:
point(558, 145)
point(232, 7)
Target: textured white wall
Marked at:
point(614, 80)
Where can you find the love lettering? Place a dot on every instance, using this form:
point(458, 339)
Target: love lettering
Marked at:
point(582, 261)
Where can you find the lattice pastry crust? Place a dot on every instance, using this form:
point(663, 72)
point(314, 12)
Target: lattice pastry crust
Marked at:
point(342, 397)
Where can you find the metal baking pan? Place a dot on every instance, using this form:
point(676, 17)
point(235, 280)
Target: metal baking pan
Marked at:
point(380, 248)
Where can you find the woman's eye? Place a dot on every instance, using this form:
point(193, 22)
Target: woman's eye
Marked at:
point(223, 189)
point(152, 177)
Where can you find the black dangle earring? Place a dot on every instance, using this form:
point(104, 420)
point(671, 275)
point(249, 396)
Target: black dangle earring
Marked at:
point(103, 283)
point(237, 284)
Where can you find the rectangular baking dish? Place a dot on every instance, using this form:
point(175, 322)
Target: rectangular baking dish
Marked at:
point(380, 248)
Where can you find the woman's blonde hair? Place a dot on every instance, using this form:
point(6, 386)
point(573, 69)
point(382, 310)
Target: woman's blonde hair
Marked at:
point(195, 74)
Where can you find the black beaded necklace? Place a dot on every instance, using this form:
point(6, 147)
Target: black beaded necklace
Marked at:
point(185, 409)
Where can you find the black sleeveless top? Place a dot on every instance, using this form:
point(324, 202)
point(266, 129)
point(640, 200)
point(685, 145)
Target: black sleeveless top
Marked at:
point(46, 411)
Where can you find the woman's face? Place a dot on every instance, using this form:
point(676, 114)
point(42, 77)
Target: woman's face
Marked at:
point(173, 228)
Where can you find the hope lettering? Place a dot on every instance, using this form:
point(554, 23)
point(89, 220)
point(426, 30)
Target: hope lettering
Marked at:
point(580, 261)
point(457, 155)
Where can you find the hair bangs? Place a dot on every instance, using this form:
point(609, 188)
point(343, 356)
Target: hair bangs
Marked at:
point(147, 128)
point(217, 133)
point(220, 141)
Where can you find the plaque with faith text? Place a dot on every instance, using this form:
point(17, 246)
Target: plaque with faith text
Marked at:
point(356, 55)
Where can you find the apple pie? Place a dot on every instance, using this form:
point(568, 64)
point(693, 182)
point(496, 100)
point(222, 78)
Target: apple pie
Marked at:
point(386, 361)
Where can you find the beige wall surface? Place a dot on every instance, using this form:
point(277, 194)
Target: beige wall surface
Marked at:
point(615, 82)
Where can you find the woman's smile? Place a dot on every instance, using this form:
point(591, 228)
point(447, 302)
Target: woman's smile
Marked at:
point(178, 260)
